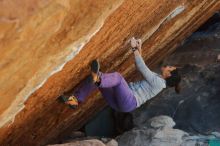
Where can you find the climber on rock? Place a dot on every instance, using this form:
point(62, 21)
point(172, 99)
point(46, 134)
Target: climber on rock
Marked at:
point(123, 96)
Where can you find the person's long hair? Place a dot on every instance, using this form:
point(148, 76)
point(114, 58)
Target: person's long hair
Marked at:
point(174, 80)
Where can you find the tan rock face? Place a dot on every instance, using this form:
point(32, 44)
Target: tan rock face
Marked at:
point(46, 46)
point(41, 42)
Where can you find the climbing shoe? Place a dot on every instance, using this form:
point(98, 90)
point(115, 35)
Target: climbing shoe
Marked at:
point(95, 66)
point(72, 101)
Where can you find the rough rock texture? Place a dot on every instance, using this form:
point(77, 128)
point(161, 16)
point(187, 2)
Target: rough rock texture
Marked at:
point(92, 142)
point(42, 36)
point(159, 131)
point(112, 143)
point(39, 40)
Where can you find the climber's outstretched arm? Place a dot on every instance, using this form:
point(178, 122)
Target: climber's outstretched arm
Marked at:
point(142, 67)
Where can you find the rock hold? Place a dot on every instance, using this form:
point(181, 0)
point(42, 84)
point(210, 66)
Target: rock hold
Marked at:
point(162, 122)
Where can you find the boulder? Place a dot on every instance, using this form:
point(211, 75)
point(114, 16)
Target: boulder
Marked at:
point(46, 46)
point(92, 142)
point(162, 135)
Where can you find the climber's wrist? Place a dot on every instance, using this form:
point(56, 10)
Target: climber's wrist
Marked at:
point(134, 49)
